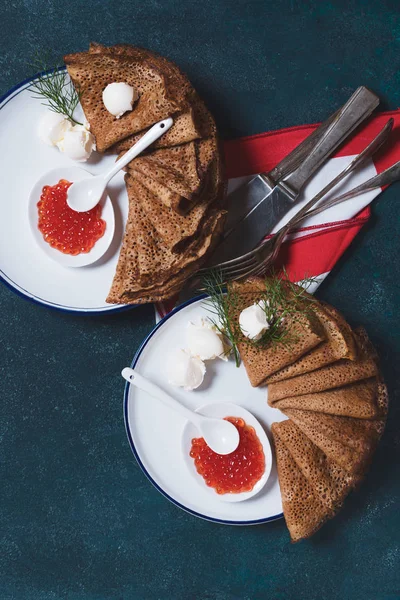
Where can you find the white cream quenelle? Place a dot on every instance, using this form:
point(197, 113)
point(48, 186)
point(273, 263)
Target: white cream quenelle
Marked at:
point(52, 127)
point(78, 143)
point(75, 141)
point(205, 341)
point(253, 321)
point(119, 97)
point(184, 370)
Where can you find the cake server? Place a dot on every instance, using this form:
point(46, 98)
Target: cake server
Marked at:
point(256, 207)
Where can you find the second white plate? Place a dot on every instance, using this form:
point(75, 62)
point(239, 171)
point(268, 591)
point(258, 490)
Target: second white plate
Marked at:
point(155, 432)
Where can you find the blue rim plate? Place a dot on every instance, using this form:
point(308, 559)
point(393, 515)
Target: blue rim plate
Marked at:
point(8, 279)
point(142, 360)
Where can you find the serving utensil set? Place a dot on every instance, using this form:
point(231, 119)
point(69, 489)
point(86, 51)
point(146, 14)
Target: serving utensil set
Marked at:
point(256, 207)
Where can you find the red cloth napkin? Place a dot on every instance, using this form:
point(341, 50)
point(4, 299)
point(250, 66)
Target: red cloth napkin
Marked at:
point(320, 247)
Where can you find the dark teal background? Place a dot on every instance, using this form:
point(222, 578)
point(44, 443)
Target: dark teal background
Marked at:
point(78, 519)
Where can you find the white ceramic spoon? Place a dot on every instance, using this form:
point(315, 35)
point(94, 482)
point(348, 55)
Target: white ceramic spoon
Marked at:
point(85, 194)
point(221, 436)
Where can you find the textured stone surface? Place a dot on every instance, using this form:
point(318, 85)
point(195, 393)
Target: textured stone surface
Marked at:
point(78, 520)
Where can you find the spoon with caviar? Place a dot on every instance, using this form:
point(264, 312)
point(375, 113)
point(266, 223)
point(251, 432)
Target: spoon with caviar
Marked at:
point(220, 435)
point(85, 194)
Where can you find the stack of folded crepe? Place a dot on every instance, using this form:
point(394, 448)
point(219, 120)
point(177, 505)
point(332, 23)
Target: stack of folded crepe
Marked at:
point(329, 386)
point(176, 189)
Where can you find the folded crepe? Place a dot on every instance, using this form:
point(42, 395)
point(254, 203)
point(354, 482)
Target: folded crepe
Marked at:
point(355, 400)
point(176, 189)
point(330, 483)
point(184, 170)
point(185, 127)
point(175, 229)
point(347, 441)
point(170, 199)
point(175, 167)
point(166, 250)
point(339, 344)
point(336, 375)
point(183, 130)
point(205, 149)
point(170, 287)
point(158, 82)
point(261, 362)
point(303, 510)
point(148, 269)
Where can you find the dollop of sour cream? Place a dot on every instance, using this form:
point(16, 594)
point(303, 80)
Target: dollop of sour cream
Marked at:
point(52, 128)
point(253, 321)
point(184, 370)
point(118, 98)
point(205, 341)
point(76, 141)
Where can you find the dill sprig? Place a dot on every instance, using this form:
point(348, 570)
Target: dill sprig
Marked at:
point(221, 304)
point(280, 301)
point(284, 300)
point(53, 87)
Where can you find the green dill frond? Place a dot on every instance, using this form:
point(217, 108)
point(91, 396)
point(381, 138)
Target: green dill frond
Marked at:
point(53, 87)
point(221, 303)
point(280, 301)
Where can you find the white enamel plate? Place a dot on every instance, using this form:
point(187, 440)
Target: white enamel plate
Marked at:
point(156, 433)
point(24, 266)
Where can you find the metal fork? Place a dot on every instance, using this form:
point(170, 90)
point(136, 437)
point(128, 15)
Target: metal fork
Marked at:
point(387, 177)
point(261, 258)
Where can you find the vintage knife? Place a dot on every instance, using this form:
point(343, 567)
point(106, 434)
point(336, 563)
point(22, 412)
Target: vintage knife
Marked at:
point(256, 207)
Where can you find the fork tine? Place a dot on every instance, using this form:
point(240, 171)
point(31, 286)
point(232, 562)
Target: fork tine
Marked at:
point(248, 260)
point(239, 260)
point(257, 270)
point(227, 269)
point(230, 273)
point(264, 265)
point(230, 265)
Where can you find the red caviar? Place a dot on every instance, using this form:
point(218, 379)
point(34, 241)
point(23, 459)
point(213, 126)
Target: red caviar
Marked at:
point(231, 473)
point(68, 231)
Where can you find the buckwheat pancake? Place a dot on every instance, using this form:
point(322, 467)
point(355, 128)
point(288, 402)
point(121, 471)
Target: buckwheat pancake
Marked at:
point(329, 481)
point(175, 206)
point(185, 127)
point(208, 167)
point(183, 130)
point(339, 344)
point(156, 271)
point(174, 228)
point(171, 200)
point(160, 92)
point(346, 441)
point(336, 375)
point(303, 510)
point(355, 433)
point(355, 400)
point(183, 169)
point(175, 168)
point(261, 362)
point(350, 459)
point(157, 261)
point(131, 292)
